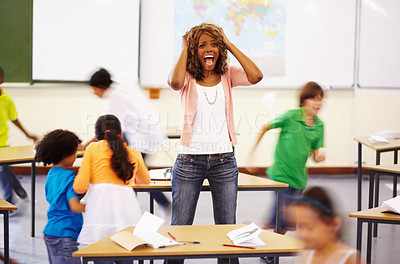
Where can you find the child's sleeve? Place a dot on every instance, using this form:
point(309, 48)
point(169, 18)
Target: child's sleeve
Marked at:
point(279, 121)
point(319, 141)
point(81, 182)
point(12, 111)
point(70, 193)
point(142, 174)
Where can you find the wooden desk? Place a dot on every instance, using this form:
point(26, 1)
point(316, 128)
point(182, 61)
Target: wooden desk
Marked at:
point(5, 208)
point(246, 182)
point(19, 155)
point(391, 170)
point(374, 215)
point(393, 145)
point(211, 238)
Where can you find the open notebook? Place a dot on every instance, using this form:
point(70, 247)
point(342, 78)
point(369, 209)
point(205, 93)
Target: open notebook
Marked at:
point(392, 205)
point(144, 234)
point(246, 236)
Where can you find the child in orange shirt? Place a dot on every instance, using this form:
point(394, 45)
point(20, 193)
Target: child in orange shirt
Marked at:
point(108, 170)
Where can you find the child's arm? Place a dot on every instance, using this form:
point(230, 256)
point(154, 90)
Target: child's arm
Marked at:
point(81, 182)
point(27, 134)
point(75, 206)
point(142, 175)
point(317, 156)
point(84, 146)
point(177, 80)
point(260, 135)
point(254, 75)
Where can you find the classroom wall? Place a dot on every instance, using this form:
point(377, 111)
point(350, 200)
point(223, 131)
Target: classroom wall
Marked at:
point(346, 113)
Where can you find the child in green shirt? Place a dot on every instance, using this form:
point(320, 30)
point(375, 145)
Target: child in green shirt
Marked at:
point(301, 136)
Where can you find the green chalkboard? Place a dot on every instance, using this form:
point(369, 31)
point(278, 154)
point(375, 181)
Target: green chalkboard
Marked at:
point(16, 40)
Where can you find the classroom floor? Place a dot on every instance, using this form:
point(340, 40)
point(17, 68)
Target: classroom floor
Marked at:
point(30, 250)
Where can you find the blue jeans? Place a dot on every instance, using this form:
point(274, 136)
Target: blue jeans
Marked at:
point(286, 222)
point(60, 249)
point(10, 183)
point(189, 173)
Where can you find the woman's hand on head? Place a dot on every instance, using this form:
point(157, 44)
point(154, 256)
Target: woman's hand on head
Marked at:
point(226, 40)
point(184, 42)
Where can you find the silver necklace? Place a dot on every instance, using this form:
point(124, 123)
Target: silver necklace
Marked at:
point(215, 99)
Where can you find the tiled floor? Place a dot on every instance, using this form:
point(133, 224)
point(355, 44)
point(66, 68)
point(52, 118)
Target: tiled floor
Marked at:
point(252, 207)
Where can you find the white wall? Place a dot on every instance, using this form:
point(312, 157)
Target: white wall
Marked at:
point(346, 113)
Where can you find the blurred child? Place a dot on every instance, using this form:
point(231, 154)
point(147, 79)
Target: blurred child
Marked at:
point(8, 111)
point(318, 226)
point(65, 211)
point(301, 136)
point(108, 170)
point(137, 117)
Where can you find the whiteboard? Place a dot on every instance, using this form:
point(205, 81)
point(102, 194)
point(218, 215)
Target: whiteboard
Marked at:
point(379, 59)
point(320, 43)
point(73, 38)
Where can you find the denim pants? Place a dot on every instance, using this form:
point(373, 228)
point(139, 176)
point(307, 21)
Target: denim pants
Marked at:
point(286, 222)
point(189, 173)
point(10, 182)
point(60, 249)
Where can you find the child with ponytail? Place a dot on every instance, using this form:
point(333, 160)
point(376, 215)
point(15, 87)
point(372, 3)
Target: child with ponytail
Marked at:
point(108, 169)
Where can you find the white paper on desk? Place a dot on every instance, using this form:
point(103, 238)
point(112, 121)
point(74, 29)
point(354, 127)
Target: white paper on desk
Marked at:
point(144, 234)
point(148, 224)
point(246, 236)
point(161, 174)
point(377, 139)
point(392, 204)
point(389, 134)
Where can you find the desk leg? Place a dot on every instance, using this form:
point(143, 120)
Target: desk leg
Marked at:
point(33, 197)
point(371, 189)
point(377, 180)
point(6, 237)
point(359, 179)
point(151, 202)
point(359, 234)
point(278, 211)
point(396, 154)
point(369, 242)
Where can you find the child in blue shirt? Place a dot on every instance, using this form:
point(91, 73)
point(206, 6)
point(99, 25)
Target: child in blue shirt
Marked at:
point(65, 212)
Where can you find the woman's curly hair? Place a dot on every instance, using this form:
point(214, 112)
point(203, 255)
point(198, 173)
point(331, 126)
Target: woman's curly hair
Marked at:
point(193, 65)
